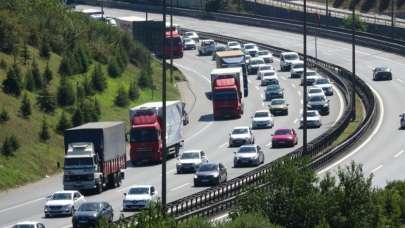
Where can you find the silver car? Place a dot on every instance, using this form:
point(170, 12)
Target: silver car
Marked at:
point(190, 160)
point(320, 103)
point(248, 155)
point(240, 136)
point(313, 119)
point(210, 174)
point(266, 55)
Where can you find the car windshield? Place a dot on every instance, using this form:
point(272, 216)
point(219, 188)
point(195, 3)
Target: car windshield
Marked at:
point(249, 46)
point(263, 68)
point(79, 161)
point(273, 87)
point(256, 61)
point(322, 81)
point(24, 226)
point(225, 95)
point(247, 149)
point(233, 44)
point(89, 207)
point(298, 66)
point(315, 90)
point(311, 114)
point(277, 102)
point(311, 73)
point(239, 131)
point(208, 167)
point(190, 156)
point(270, 73)
point(316, 98)
point(282, 132)
point(261, 114)
point(144, 135)
point(384, 74)
point(62, 196)
point(138, 191)
point(291, 57)
point(263, 52)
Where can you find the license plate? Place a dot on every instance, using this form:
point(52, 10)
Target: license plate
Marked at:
point(204, 180)
point(82, 221)
point(281, 142)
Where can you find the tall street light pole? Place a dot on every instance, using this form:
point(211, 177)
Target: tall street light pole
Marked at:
point(164, 156)
point(327, 13)
point(304, 95)
point(354, 63)
point(171, 40)
point(393, 2)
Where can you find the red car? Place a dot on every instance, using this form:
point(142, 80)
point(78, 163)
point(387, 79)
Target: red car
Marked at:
point(284, 137)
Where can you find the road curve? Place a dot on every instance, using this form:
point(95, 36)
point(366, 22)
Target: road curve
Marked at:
point(26, 203)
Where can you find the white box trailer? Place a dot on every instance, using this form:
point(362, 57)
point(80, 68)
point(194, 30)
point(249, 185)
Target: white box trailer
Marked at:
point(127, 23)
point(235, 72)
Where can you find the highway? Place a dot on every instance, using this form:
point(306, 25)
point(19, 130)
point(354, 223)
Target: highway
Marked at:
point(382, 154)
point(26, 203)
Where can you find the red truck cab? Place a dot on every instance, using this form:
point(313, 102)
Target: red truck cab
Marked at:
point(145, 137)
point(177, 49)
point(226, 98)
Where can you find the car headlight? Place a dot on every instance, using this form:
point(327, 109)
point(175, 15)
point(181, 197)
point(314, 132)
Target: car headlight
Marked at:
point(326, 105)
point(67, 207)
point(215, 175)
point(178, 163)
point(195, 176)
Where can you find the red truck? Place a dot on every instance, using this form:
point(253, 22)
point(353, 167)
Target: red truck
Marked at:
point(177, 49)
point(146, 127)
point(227, 97)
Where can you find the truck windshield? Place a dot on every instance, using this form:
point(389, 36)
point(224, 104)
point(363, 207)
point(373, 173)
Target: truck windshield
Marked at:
point(79, 161)
point(225, 95)
point(143, 135)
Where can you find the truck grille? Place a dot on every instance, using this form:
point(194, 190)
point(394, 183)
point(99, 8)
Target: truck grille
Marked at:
point(84, 177)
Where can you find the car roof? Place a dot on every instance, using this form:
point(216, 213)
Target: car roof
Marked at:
point(248, 145)
point(288, 53)
point(26, 223)
point(140, 186)
point(256, 58)
point(315, 87)
point(262, 110)
point(65, 191)
point(282, 129)
point(191, 151)
point(241, 127)
point(249, 44)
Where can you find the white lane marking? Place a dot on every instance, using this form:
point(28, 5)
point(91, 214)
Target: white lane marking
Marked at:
point(223, 145)
point(171, 171)
point(296, 121)
point(379, 123)
point(301, 101)
point(341, 106)
point(201, 130)
point(257, 87)
point(268, 144)
point(261, 95)
point(21, 204)
point(293, 85)
point(376, 168)
point(193, 71)
point(301, 111)
point(299, 93)
point(400, 80)
point(264, 105)
point(398, 154)
point(178, 187)
point(250, 81)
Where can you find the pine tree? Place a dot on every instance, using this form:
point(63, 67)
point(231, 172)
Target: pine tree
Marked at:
point(63, 123)
point(133, 92)
point(46, 101)
point(145, 80)
point(25, 108)
point(114, 70)
point(80, 92)
point(3, 64)
point(89, 111)
point(98, 80)
point(25, 54)
point(44, 134)
point(29, 81)
point(36, 74)
point(121, 99)
point(83, 58)
point(97, 107)
point(67, 65)
point(77, 117)
point(66, 93)
point(45, 49)
point(87, 87)
point(48, 75)
point(7, 149)
point(12, 140)
point(13, 84)
point(4, 116)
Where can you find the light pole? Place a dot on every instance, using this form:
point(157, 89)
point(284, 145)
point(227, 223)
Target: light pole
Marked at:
point(304, 94)
point(327, 13)
point(171, 40)
point(393, 2)
point(353, 63)
point(164, 156)
point(318, 20)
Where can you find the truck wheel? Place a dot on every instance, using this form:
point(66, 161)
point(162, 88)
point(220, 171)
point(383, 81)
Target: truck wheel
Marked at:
point(99, 188)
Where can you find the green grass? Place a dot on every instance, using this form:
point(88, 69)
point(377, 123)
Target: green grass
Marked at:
point(353, 124)
point(35, 160)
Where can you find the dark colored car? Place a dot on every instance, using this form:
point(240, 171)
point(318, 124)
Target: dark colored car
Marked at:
point(274, 91)
point(382, 73)
point(90, 214)
point(210, 174)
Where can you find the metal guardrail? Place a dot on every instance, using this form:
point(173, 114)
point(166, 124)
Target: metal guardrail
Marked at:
point(224, 196)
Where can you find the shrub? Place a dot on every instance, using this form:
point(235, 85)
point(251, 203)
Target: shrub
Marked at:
point(44, 134)
point(98, 80)
point(358, 23)
point(121, 100)
point(63, 123)
point(25, 108)
point(12, 84)
point(4, 116)
point(46, 101)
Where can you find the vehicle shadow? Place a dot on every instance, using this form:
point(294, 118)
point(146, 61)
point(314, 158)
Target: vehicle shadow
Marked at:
point(208, 95)
point(206, 118)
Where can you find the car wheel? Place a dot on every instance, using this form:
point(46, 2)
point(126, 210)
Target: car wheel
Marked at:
point(99, 188)
point(72, 211)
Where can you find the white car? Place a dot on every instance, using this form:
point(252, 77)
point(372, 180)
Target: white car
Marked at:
point(325, 84)
point(286, 58)
point(191, 35)
point(315, 91)
point(269, 77)
point(313, 119)
point(312, 76)
point(139, 197)
point(111, 21)
point(63, 203)
point(28, 224)
point(266, 55)
point(234, 45)
point(254, 63)
point(262, 119)
point(297, 68)
point(206, 47)
point(190, 160)
point(189, 43)
point(240, 136)
point(250, 49)
point(263, 67)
